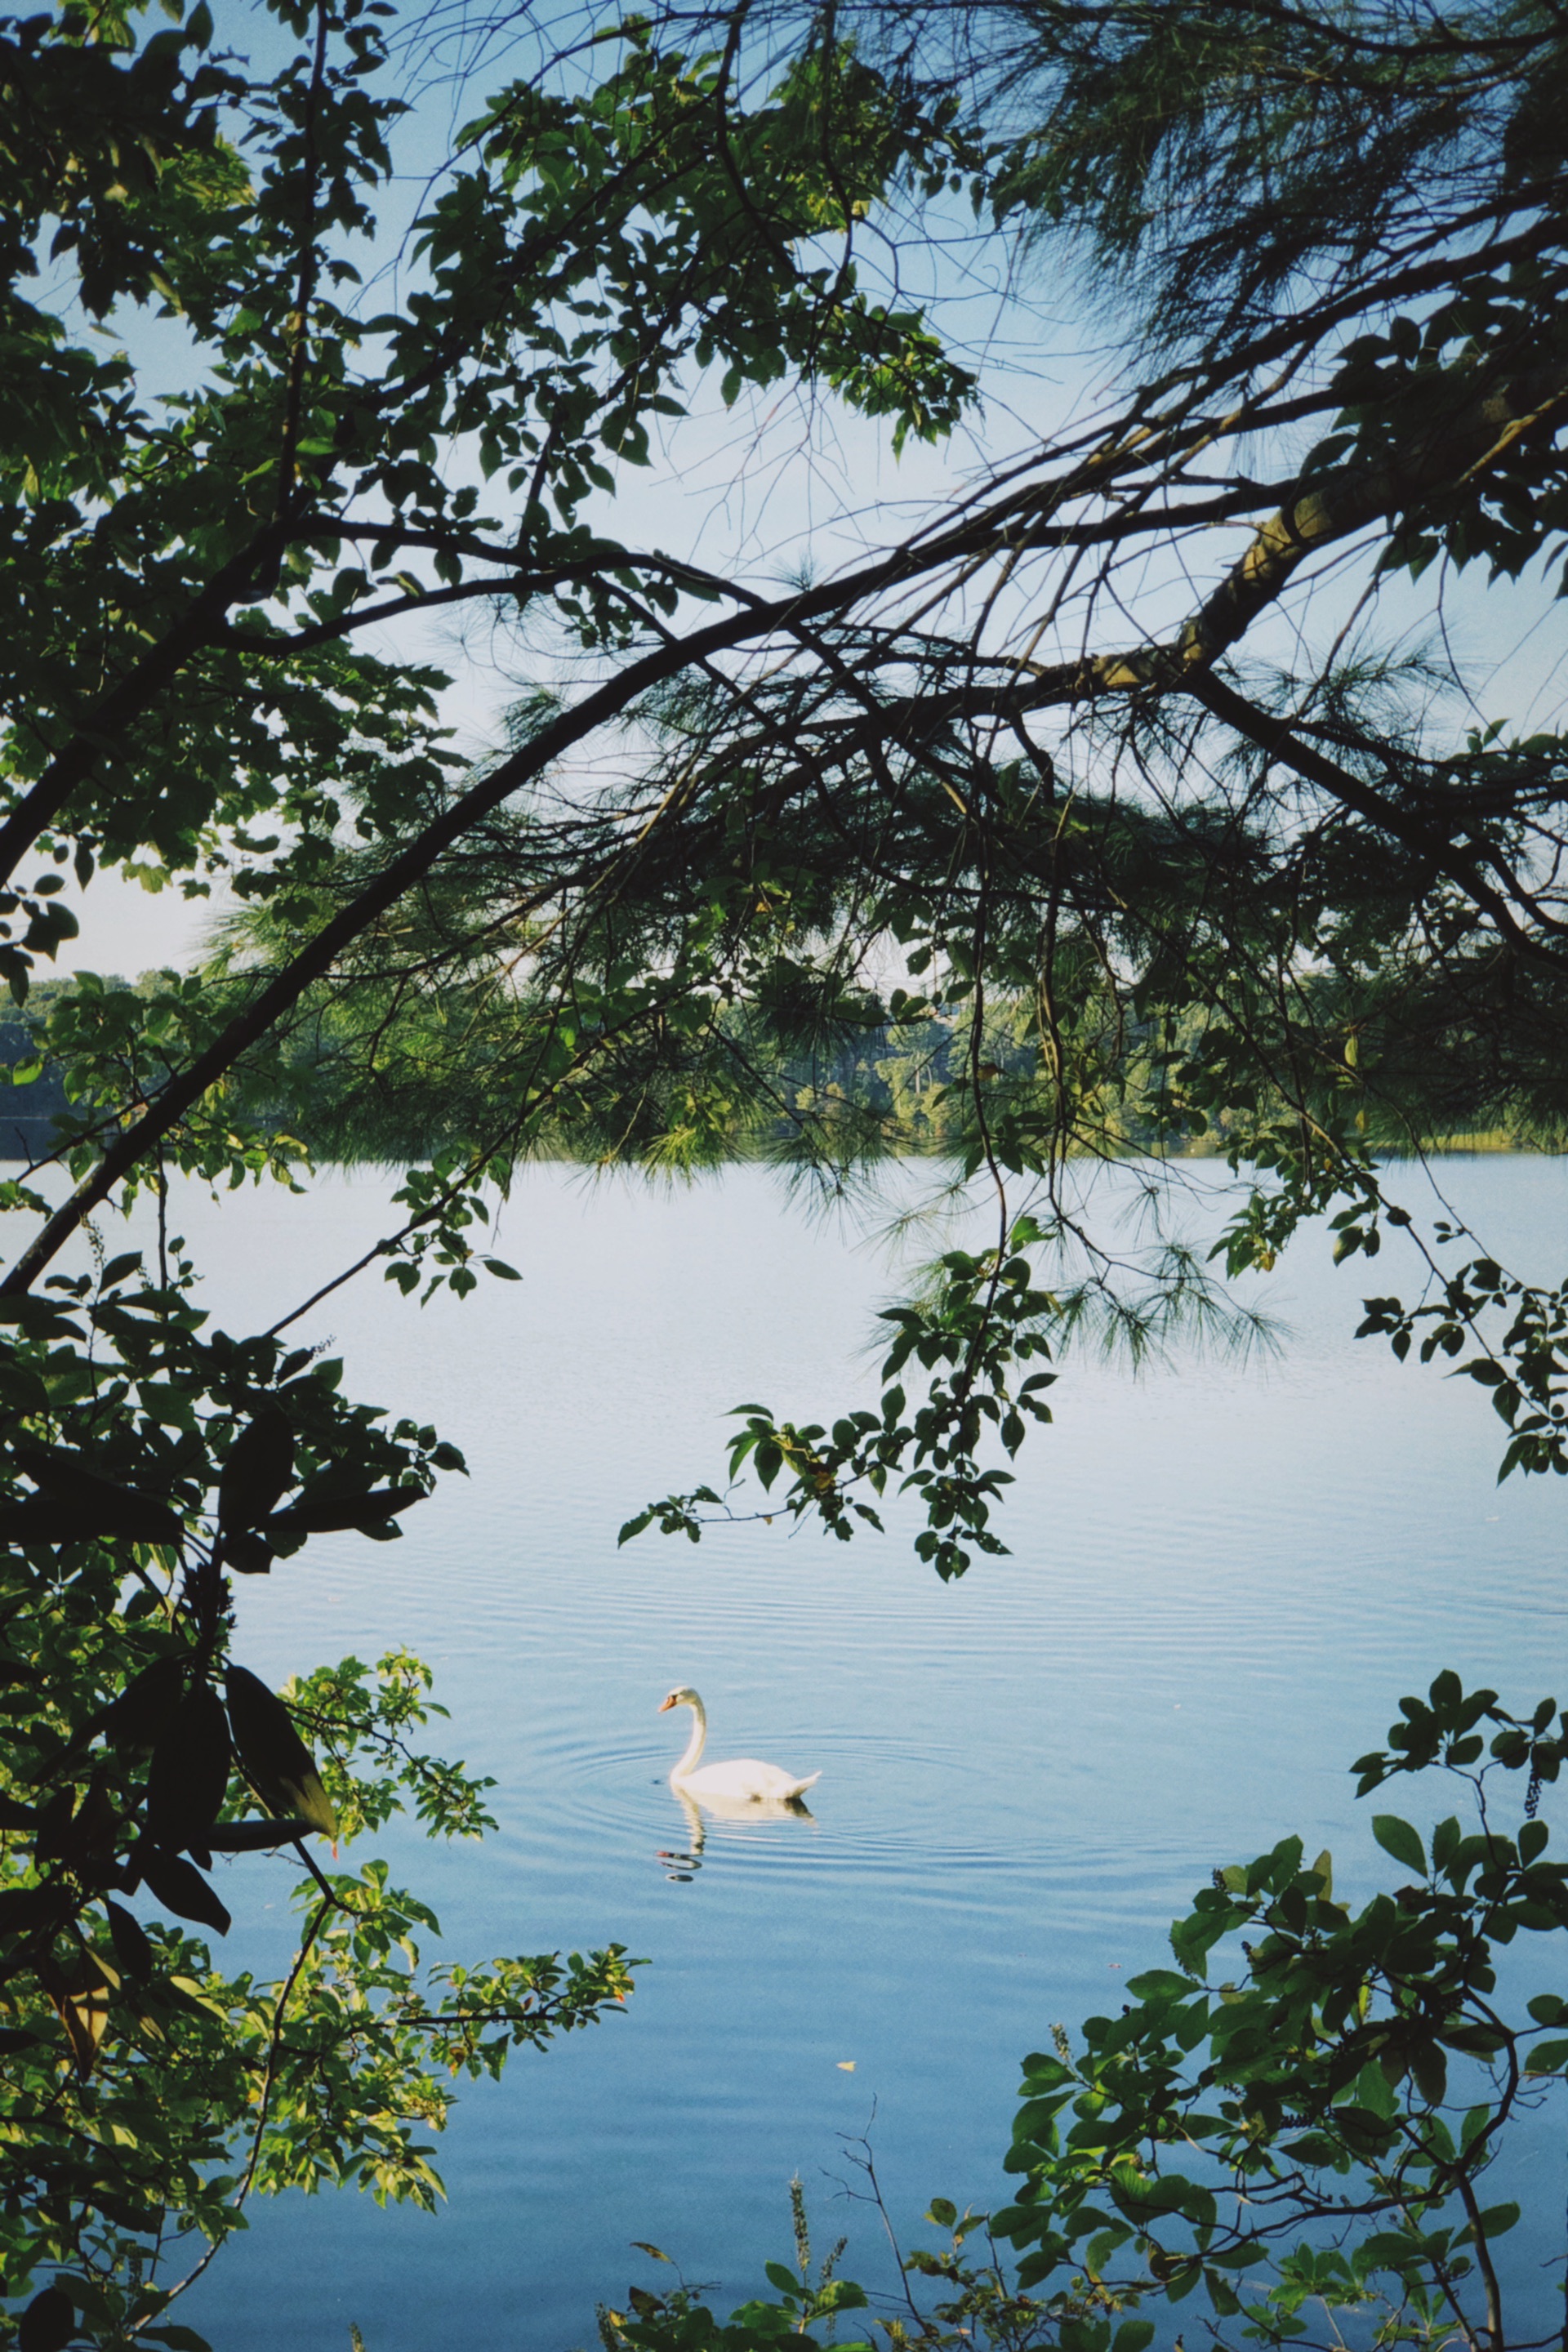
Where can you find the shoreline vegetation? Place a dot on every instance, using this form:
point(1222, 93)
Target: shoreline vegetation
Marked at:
point(892, 1088)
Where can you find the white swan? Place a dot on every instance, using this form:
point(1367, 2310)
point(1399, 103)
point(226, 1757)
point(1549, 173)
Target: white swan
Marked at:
point(743, 1777)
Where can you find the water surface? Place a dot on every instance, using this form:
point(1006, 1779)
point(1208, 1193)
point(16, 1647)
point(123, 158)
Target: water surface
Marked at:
point(1222, 1579)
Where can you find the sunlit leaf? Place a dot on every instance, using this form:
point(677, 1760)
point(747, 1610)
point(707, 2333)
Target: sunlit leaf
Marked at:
point(277, 1762)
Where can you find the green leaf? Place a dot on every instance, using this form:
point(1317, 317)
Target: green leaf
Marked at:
point(93, 1508)
point(131, 1948)
point(276, 1760)
point(49, 2322)
point(1397, 1838)
point(1496, 2221)
point(259, 1471)
point(1315, 2148)
point(259, 1836)
point(1133, 2335)
point(146, 1706)
point(1429, 2069)
point(1155, 1984)
point(335, 1514)
point(188, 1777)
point(180, 1888)
point(22, 1907)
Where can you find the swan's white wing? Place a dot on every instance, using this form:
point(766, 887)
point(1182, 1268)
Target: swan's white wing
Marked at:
point(745, 1776)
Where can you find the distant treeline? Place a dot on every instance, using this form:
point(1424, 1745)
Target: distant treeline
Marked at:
point(28, 1112)
point(906, 1086)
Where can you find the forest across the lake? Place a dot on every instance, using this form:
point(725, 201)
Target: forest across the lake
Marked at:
point(881, 1087)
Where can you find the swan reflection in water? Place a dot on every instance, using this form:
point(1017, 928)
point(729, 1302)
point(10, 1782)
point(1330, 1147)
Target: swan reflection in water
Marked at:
point(685, 1863)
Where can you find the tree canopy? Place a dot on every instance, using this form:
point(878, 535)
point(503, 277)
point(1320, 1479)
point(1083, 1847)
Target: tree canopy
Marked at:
point(1131, 795)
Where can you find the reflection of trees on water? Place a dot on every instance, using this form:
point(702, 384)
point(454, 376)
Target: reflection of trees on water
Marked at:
point(684, 1863)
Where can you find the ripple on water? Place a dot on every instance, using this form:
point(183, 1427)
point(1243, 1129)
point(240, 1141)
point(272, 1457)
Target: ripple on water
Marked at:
point(881, 1801)
point(1220, 1586)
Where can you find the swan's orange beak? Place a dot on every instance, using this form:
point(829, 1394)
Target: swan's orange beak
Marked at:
point(663, 1705)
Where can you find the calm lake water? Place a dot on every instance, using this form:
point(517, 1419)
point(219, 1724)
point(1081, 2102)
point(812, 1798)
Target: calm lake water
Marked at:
point(1223, 1578)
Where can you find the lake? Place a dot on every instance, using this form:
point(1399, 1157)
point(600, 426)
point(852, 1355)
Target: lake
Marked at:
point(1223, 1577)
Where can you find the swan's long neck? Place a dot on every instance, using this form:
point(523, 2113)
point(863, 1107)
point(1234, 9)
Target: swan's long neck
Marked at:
point(694, 1745)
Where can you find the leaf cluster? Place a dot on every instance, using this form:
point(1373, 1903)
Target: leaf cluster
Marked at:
point(1315, 2131)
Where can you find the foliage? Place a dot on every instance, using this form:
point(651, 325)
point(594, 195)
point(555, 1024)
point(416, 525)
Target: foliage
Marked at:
point(148, 2092)
point(1089, 787)
point(192, 580)
point(984, 1319)
point(1304, 2147)
point(678, 2322)
point(973, 2301)
point(1308, 2142)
